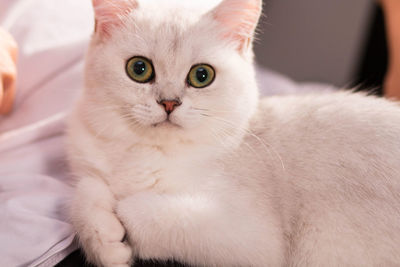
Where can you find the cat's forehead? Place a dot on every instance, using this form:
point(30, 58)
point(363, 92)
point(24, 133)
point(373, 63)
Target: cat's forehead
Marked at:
point(169, 37)
point(172, 22)
point(185, 5)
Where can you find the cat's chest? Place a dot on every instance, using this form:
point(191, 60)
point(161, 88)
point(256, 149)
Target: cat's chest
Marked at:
point(154, 169)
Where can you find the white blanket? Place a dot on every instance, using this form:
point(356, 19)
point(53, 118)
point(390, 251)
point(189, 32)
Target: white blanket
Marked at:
point(52, 37)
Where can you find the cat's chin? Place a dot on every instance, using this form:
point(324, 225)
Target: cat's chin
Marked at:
point(166, 124)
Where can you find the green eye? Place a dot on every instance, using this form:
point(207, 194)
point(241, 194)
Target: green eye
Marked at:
point(201, 75)
point(140, 69)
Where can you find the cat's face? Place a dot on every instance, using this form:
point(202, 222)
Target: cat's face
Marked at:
point(171, 71)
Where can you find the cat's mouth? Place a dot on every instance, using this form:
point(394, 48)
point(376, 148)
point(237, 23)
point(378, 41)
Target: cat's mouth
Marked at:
point(166, 123)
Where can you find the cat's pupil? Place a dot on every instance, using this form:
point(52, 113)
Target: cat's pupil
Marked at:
point(201, 75)
point(139, 67)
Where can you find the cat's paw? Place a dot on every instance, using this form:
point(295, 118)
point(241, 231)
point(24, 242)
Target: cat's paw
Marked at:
point(110, 254)
point(116, 254)
point(104, 245)
point(145, 217)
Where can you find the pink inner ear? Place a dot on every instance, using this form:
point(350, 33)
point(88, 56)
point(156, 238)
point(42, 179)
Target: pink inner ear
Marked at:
point(239, 18)
point(108, 13)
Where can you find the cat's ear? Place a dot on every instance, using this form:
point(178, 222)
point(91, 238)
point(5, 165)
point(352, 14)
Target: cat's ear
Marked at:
point(238, 19)
point(109, 14)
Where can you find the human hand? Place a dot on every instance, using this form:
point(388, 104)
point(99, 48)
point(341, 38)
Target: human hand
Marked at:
point(392, 84)
point(8, 72)
point(392, 18)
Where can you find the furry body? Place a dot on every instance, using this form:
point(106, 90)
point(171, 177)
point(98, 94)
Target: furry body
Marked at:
point(284, 181)
point(320, 183)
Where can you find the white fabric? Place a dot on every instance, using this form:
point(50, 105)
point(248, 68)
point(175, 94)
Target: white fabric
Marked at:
point(52, 37)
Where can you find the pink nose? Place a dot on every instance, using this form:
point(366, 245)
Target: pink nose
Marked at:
point(169, 105)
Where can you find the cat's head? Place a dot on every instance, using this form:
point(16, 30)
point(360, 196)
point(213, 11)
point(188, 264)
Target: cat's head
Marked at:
point(171, 68)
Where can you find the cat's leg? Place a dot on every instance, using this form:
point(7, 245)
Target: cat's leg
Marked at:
point(200, 230)
point(99, 230)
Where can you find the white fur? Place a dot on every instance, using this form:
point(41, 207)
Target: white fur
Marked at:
point(286, 181)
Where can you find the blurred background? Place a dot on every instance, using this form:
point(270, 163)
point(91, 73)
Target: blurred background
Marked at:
point(340, 42)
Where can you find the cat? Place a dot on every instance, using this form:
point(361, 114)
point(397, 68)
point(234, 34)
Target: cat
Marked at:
point(175, 156)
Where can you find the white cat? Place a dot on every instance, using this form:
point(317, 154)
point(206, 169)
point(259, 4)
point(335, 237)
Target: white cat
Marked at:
point(171, 146)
